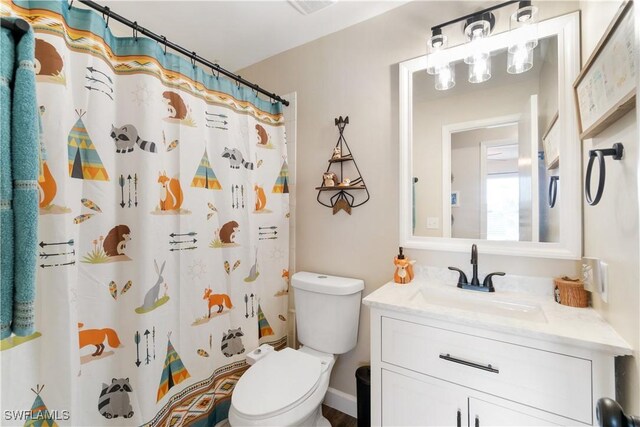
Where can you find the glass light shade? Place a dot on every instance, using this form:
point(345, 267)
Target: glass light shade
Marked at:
point(524, 21)
point(446, 77)
point(477, 32)
point(520, 60)
point(480, 71)
point(435, 57)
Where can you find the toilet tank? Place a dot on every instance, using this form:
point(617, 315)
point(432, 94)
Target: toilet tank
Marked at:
point(327, 311)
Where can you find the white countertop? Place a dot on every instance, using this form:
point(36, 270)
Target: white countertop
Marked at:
point(582, 327)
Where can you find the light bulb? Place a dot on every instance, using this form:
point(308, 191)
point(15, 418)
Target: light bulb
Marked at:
point(477, 32)
point(480, 71)
point(446, 77)
point(435, 56)
point(520, 59)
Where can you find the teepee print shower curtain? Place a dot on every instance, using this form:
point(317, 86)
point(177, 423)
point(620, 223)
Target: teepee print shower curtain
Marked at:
point(164, 218)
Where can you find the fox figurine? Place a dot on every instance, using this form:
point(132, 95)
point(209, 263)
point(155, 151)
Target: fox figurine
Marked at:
point(261, 198)
point(171, 196)
point(221, 300)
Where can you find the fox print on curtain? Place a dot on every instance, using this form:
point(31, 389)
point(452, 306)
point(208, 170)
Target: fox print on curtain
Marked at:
point(161, 246)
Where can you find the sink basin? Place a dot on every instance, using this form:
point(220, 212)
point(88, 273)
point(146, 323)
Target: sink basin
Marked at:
point(480, 302)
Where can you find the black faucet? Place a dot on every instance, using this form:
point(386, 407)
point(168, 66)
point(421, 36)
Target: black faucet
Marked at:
point(474, 262)
point(487, 284)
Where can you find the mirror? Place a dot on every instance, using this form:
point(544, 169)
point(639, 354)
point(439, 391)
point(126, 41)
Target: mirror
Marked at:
point(480, 162)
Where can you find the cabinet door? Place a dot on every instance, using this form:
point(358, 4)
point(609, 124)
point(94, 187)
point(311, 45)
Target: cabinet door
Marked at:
point(421, 401)
point(485, 414)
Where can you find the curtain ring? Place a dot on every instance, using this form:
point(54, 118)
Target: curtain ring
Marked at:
point(193, 59)
point(213, 73)
point(70, 5)
point(135, 30)
point(255, 90)
point(164, 40)
point(238, 81)
point(106, 24)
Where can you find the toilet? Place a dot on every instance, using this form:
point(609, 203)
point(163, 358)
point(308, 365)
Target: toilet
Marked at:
point(287, 387)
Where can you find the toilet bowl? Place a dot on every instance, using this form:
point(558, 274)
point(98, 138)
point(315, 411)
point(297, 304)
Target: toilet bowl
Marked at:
point(287, 387)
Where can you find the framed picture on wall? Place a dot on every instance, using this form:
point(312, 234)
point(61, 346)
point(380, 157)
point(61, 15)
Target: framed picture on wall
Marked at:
point(605, 89)
point(551, 144)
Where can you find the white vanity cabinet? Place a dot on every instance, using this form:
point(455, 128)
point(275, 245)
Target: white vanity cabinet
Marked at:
point(439, 367)
point(427, 401)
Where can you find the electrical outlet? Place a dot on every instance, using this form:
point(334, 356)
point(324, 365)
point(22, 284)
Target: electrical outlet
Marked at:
point(595, 275)
point(433, 223)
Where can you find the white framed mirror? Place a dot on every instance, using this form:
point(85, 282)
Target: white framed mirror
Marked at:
point(472, 157)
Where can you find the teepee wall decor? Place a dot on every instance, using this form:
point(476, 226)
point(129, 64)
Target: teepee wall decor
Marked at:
point(344, 177)
point(173, 372)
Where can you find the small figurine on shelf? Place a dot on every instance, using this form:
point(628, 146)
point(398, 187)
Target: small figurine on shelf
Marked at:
point(404, 269)
point(337, 153)
point(345, 183)
point(329, 179)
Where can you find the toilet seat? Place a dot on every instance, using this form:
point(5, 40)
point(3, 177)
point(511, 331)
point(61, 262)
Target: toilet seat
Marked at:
point(277, 383)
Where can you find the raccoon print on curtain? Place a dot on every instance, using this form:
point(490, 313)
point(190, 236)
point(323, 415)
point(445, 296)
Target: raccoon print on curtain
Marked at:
point(163, 235)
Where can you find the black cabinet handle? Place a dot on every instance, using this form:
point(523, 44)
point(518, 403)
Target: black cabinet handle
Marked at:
point(459, 419)
point(488, 368)
point(477, 421)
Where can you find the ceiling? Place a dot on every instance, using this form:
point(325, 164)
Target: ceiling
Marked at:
point(240, 33)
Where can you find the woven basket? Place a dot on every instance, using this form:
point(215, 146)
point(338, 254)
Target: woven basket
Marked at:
point(571, 292)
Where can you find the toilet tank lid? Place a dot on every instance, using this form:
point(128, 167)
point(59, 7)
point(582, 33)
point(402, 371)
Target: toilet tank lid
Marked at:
point(325, 284)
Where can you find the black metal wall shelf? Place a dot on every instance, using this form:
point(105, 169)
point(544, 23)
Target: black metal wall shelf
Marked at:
point(342, 156)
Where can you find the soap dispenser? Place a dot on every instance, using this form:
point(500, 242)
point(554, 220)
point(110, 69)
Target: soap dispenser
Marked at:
point(404, 268)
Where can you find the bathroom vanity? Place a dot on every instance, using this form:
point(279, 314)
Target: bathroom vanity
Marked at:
point(446, 356)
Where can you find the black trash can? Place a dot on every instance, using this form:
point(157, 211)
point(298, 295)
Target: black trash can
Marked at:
point(363, 385)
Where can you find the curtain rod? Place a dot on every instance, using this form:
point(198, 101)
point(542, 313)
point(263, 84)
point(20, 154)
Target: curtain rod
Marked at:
point(106, 11)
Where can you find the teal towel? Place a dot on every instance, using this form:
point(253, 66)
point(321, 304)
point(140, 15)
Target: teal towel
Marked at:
point(19, 194)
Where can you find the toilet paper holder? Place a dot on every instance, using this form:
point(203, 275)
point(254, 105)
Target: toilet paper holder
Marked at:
point(616, 152)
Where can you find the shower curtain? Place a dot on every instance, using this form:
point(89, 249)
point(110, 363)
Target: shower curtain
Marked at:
point(164, 219)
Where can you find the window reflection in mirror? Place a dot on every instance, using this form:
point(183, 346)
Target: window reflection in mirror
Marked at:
point(481, 145)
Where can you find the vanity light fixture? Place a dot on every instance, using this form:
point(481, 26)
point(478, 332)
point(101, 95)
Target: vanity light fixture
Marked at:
point(477, 29)
point(436, 62)
point(520, 56)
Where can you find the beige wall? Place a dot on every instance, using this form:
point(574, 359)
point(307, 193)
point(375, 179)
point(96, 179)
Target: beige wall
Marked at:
point(611, 227)
point(354, 72)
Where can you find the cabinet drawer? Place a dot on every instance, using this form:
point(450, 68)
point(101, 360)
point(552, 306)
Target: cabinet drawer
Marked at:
point(552, 382)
